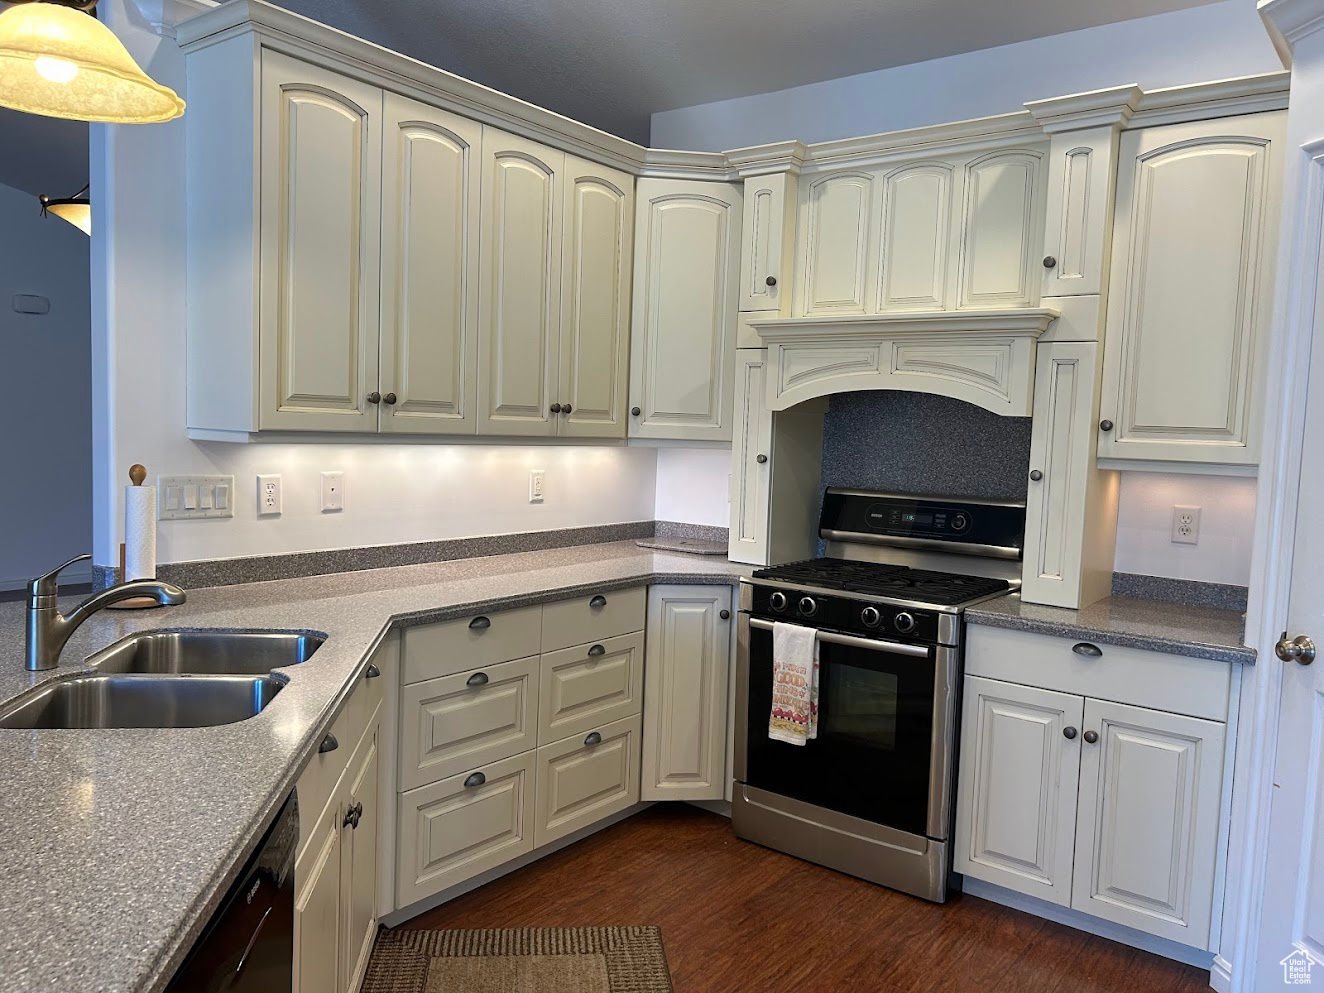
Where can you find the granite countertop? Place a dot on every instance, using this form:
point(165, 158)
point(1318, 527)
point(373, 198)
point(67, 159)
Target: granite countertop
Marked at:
point(119, 843)
point(1179, 629)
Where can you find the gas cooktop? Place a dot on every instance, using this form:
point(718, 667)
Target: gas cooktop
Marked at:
point(878, 579)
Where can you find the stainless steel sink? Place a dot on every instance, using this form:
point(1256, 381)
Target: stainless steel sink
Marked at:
point(127, 701)
point(240, 653)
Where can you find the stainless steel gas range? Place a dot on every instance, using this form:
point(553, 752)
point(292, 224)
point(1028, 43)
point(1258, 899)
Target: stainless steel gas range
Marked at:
point(872, 794)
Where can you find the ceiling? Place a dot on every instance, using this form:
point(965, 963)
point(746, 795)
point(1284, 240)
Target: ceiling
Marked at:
point(612, 63)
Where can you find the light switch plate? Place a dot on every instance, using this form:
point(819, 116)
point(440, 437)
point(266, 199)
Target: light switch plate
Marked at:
point(537, 479)
point(182, 498)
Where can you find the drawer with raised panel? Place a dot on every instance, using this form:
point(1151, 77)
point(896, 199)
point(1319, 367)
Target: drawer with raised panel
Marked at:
point(592, 617)
point(459, 722)
point(448, 647)
point(1175, 683)
point(452, 830)
point(582, 780)
point(590, 685)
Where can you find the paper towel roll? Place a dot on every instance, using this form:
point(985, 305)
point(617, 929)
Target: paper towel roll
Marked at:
point(139, 532)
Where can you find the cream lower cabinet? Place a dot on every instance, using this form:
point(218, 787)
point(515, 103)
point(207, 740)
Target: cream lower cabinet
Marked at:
point(686, 297)
point(336, 872)
point(689, 652)
point(1112, 809)
point(581, 781)
point(1190, 299)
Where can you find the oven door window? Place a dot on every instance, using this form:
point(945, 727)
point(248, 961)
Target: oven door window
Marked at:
point(875, 727)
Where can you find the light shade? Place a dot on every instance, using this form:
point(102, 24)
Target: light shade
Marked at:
point(75, 210)
point(60, 62)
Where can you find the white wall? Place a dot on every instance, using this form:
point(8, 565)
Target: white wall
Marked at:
point(394, 493)
point(693, 485)
point(1216, 41)
point(46, 446)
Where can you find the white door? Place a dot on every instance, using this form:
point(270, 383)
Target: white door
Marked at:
point(317, 936)
point(519, 310)
point(686, 297)
point(767, 244)
point(751, 444)
point(688, 655)
point(834, 244)
point(1147, 829)
point(358, 860)
point(1191, 293)
point(321, 222)
point(1016, 799)
point(1001, 230)
point(595, 300)
point(431, 174)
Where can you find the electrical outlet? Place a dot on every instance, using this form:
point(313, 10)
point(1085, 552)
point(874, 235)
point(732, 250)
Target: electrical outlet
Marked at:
point(1186, 525)
point(268, 495)
point(536, 485)
point(333, 491)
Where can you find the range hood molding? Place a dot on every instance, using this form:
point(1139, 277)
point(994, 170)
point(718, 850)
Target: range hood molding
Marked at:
point(984, 357)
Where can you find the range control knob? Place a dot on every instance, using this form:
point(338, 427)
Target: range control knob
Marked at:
point(904, 622)
point(777, 601)
point(870, 617)
point(960, 522)
point(808, 606)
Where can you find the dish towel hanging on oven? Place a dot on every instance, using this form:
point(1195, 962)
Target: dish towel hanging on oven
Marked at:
point(794, 717)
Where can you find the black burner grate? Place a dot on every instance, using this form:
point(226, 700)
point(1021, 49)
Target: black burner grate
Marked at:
point(879, 579)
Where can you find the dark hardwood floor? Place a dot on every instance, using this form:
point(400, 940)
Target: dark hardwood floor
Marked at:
point(735, 916)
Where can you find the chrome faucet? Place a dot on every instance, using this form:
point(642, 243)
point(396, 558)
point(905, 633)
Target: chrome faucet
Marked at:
point(49, 630)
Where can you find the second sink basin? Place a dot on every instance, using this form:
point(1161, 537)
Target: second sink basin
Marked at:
point(243, 653)
point(115, 701)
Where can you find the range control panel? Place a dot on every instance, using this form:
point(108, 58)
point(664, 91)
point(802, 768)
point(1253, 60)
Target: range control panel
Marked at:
point(849, 514)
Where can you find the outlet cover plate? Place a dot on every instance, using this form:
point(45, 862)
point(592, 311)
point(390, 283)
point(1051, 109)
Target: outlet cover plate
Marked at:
point(1185, 525)
point(268, 495)
point(333, 492)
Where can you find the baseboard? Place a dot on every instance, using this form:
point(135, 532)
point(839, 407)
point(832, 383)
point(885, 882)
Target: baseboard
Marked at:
point(398, 917)
point(720, 807)
point(1092, 925)
point(1220, 976)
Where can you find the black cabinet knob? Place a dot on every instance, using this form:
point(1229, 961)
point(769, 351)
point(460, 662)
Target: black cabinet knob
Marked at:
point(1036, 475)
point(1105, 425)
point(724, 614)
point(771, 280)
point(389, 399)
point(477, 679)
point(480, 623)
point(1091, 736)
point(1088, 650)
point(1050, 262)
point(598, 602)
point(761, 459)
point(353, 815)
point(635, 411)
point(555, 408)
point(372, 672)
point(597, 650)
point(566, 408)
point(374, 397)
point(477, 779)
point(593, 739)
point(1069, 733)
point(329, 744)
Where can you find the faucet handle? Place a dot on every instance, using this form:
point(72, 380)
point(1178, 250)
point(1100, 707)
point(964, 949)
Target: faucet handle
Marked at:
point(49, 584)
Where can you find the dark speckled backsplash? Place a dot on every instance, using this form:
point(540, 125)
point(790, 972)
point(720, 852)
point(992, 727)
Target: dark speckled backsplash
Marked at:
point(923, 443)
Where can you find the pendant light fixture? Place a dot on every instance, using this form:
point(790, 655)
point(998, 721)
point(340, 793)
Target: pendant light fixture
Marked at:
point(58, 60)
point(75, 209)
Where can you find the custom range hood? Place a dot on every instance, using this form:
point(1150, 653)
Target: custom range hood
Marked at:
point(984, 357)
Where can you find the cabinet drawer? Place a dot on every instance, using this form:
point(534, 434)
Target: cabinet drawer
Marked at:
point(1175, 683)
point(465, 643)
point(582, 780)
point(456, 723)
point(592, 617)
point(450, 832)
point(590, 685)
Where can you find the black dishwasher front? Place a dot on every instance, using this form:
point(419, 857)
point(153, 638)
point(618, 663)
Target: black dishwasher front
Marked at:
point(248, 946)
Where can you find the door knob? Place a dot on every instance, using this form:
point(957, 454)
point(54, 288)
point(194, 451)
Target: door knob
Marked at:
point(1050, 262)
point(761, 459)
point(555, 408)
point(1105, 425)
point(1091, 736)
point(567, 409)
point(374, 397)
point(1069, 733)
point(1036, 475)
point(1300, 649)
point(635, 411)
point(389, 399)
point(771, 281)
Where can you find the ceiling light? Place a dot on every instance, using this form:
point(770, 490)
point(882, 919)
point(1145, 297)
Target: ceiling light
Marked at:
point(61, 62)
point(75, 209)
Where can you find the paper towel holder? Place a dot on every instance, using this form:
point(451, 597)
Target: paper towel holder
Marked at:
point(137, 476)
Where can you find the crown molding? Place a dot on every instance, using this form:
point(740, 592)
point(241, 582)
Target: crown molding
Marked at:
point(1288, 21)
point(1111, 107)
point(1219, 98)
point(760, 160)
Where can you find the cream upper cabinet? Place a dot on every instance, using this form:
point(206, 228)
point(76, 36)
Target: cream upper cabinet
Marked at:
point(431, 176)
point(519, 310)
point(916, 231)
point(1191, 290)
point(767, 245)
point(1000, 230)
point(1147, 832)
point(686, 297)
point(321, 154)
point(595, 301)
point(1082, 169)
point(687, 661)
point(1020, 762)
point(836, 243)
point(1071, 506)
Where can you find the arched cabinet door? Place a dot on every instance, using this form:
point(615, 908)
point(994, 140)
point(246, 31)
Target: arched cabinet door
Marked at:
point(432, 169)
point(519, 310)
point(686, 298)
point(320, 223)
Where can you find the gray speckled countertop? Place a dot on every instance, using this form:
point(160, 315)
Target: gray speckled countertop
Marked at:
point(119, 843)
point(1179, 629)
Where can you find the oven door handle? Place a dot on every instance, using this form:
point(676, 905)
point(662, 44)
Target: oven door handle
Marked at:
point(870, 644)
